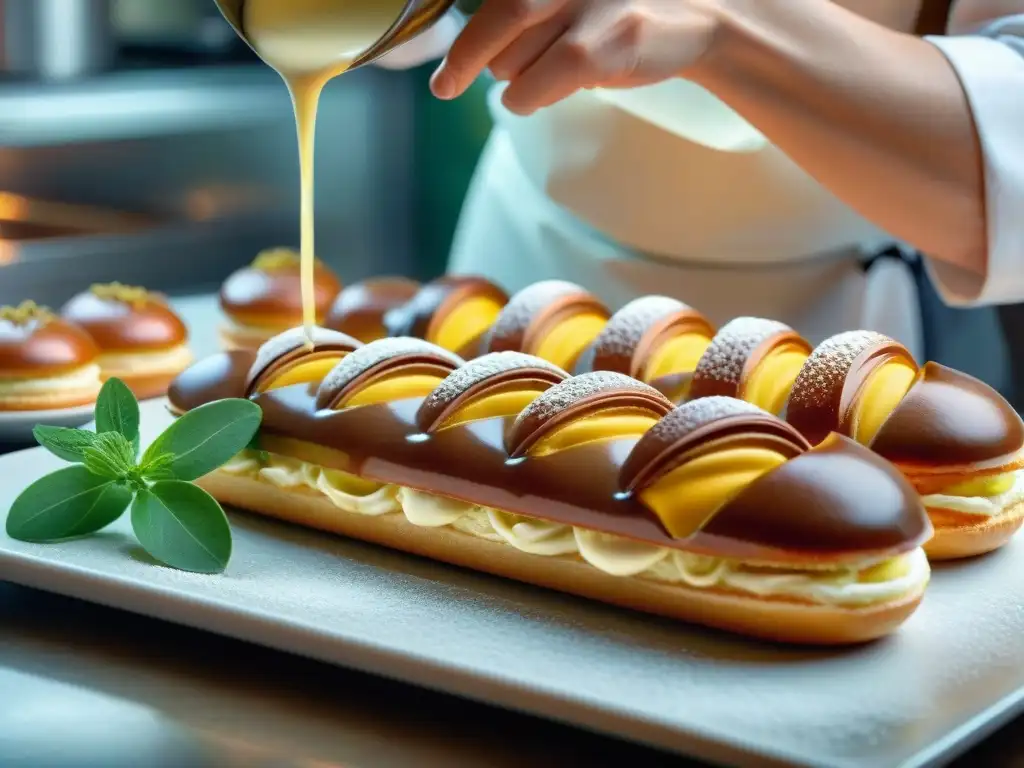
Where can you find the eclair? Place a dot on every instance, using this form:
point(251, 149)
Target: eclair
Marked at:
point(45, 362)
point(553, 319)
point(264, 299)
point(141, 340)
point(360, 308)
point(958, 442)
point(454, 312)
point(655, 339)
point(714, 512)
point(752, 359)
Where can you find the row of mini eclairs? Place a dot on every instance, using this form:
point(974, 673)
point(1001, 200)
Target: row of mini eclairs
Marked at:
point(734, 477)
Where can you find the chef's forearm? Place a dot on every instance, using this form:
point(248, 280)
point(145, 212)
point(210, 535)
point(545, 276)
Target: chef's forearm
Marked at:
point(876, 116)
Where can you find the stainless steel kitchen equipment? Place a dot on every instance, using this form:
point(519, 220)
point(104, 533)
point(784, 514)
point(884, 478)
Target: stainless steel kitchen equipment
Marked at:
point(55, 39)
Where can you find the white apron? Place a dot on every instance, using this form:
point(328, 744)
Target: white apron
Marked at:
point(664, 190)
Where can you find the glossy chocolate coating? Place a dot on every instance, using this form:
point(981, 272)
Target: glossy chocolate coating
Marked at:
point(276, 294)
point(383, 357)
point(577, 398)
point(424, 313)
point(44, 346)
point(491, 374)
point(862, 508)
point(217, 377)
point(359, 309)
point(118, 325)
point(950, 419)
point(825, 392)
point(638, 330)
point(735, 353)
point(534, 311)
point(693, 427)
point(291, 346)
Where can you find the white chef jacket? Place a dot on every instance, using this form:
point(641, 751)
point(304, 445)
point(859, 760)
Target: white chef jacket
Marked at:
point(664, 189)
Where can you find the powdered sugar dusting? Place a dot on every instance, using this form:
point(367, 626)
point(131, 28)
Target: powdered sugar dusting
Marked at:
point(571, 391)
point(483, 368)
point(379, 351)
point(295, 339)
point(729, 350)
point(515, 318)
point(698, 413)
point(627, 326)
point(826, 369)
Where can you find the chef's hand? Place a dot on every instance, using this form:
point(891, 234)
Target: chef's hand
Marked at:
point(548, 49)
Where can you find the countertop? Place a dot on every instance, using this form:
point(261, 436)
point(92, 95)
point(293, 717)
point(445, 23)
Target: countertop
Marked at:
point(88, 687)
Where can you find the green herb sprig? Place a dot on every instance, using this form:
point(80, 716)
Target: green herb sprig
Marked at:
point(176, 522)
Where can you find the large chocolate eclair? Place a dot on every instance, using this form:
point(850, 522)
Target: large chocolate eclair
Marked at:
point(650, 338)
point(553, 319)
point(752, 359)
point(453, 312)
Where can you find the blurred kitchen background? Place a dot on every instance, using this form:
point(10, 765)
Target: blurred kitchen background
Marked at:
point(141, 141)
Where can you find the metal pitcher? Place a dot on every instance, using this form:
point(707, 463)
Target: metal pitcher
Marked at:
point(416, 17)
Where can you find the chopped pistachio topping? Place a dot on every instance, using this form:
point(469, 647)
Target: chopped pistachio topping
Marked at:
point(26, 313)
point(126, 294)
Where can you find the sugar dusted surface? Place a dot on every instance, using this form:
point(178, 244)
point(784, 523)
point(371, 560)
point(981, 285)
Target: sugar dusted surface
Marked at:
point(729, 350)
point(698, 413)
point(376, 352)
point(517, 315)
point(295, 338)
point(571, 391)
point(483, 368)
point(825, 370)
point(627, 326)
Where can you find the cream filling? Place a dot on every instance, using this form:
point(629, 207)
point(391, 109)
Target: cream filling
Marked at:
point(983, 506)
point(236, 328)
point(77, 379)
point(170, 360)
point(610, 554)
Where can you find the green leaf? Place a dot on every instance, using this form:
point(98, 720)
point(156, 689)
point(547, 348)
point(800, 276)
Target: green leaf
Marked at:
point(207, 437)
point(158, 468)
point(183, 526)
point(117, 410)
point(110, 455)
point(64, 443)
point(69, 502)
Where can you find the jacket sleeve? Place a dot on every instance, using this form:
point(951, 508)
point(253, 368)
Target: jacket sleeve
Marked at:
point(429, 46)
point(990, 65)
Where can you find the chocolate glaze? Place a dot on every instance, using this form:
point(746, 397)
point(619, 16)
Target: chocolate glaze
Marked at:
point(735, 353)
point(490, 375)
point(217, 377)
point(638, 330)
point(43, 347)
point(694, 427)
point(825, 393)
point(360, 308)
point(577, 398)
point(122, 326)
point(843, 504)
point(291, 347)
point(423, 315)
point(839, 504)
point(947, 419)
point(275, 295)
point(530, 315)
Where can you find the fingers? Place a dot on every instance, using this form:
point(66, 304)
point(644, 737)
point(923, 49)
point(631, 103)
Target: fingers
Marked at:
point(492, 29)
point(527, 48)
